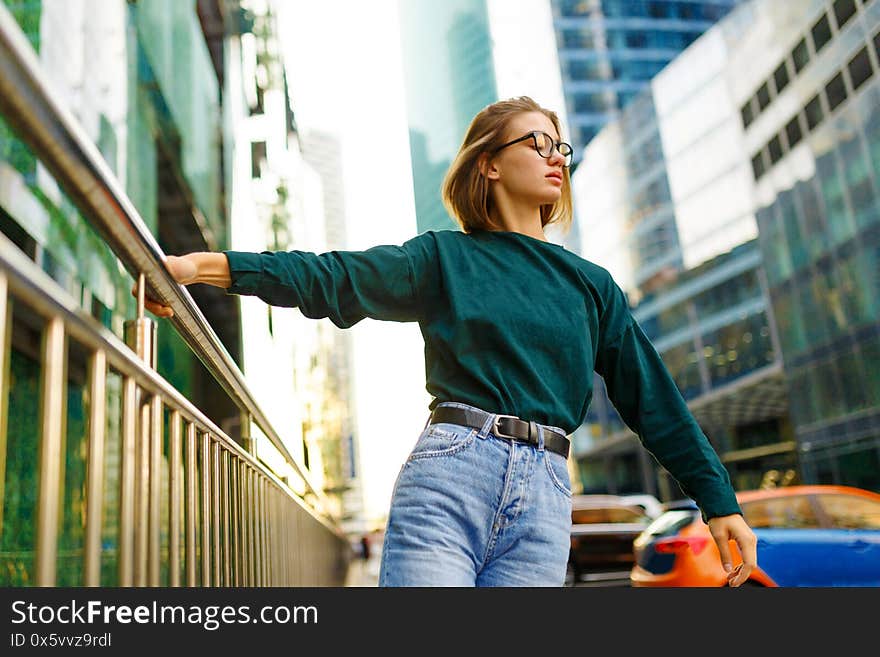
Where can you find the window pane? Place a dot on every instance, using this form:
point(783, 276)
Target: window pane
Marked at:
point(800, 56)
point(821, 32)
point(780, 77)
point(788, 512)
point(851, 512)
point(793, 132)
point(860, 68)
point(836, 91)
point(747, 114)
point(814, 112)
point(775, 149)
point(843, 11)
point(763, 96)
point(758, 165)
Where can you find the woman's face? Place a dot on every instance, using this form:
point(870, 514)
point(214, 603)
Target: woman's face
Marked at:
point(520, 170)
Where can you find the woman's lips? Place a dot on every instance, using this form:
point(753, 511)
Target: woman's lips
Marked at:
point(557, 178)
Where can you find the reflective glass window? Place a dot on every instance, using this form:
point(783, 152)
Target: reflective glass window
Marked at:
point(843, 11)
point(587, 133)
point(870, 111)
point(803, 405)
point(789, 321)
point(785, 512)
point(870, 350)
point(573, 7)
point(813, 323)
point(737, 349)
point(852, 376)
point(585, 69)
point(830, 397)
point(728, 294)
point(839, 217)
point(835, 91)
point(661, 9)
point(851, 511)
point(763, 96)
point(780, 76)
point(636, 40)
point(857, 179)
point(578, 39)
point(821, 32)
point(800, 55)
point(587, 103)
point(814, 113)
point(793, 234)
point(681, 362)
point(812, 241)
point(793, 132)
point(860, 68)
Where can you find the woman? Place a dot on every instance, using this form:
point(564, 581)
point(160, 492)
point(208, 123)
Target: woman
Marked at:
point(514, 326)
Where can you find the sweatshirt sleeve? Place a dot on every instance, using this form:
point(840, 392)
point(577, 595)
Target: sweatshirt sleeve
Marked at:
point(650, 403)
point(344, 286)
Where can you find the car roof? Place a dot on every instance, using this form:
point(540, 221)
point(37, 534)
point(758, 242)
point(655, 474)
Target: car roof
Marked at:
point(813, 489)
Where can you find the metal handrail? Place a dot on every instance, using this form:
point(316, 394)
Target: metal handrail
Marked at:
point(55, 136)
point(248, 518)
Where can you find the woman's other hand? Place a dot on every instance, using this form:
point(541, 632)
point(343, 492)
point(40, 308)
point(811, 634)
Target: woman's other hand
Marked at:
point(734, 528)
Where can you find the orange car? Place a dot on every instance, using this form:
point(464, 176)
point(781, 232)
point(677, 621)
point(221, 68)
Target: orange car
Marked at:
point(817, 535)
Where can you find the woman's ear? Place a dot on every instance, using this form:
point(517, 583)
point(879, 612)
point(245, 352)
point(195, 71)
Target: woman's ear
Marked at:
point(488, 168)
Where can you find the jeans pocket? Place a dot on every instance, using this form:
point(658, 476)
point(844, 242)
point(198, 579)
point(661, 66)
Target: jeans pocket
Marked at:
point(557, 468)
point(442, 439)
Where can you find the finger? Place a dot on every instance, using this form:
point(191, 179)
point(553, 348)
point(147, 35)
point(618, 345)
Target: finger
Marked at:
point(158, 309)
point(724, 552)
point(748, 548)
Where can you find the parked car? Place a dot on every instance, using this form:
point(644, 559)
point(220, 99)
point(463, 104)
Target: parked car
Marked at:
point(819, 535)
point(602, 533)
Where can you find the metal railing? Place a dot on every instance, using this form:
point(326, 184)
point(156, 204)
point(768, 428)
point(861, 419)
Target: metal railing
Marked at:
point(231, 520)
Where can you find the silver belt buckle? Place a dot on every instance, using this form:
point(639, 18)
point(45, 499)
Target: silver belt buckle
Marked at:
point(497, 431)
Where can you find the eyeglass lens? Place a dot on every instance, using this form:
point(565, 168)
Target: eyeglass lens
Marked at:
point(544, 143)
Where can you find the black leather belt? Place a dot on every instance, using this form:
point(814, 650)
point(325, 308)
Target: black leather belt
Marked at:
point(504, 426)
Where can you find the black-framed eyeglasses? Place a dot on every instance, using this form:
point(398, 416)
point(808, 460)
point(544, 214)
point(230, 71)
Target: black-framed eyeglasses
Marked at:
point(544, 144)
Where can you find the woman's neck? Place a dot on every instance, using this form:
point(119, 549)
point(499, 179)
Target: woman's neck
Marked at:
point(526, 221)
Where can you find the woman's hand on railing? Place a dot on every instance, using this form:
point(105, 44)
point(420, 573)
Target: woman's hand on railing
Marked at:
point(211, 268)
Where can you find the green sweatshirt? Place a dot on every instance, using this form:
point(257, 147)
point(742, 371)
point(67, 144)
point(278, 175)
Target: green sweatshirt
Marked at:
point(512, 325)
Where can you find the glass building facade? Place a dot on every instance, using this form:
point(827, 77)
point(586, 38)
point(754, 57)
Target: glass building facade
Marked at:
point(667, 200)
point(140, 80)
point(812, 125)
point(449, 77)
point(609, 50)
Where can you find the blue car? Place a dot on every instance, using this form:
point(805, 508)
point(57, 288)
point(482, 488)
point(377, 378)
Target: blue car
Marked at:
point(818, 535)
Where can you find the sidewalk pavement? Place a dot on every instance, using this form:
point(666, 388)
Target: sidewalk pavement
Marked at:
point(363, 573)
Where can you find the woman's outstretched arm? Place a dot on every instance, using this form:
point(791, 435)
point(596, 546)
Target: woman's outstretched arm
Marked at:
point(385, 282)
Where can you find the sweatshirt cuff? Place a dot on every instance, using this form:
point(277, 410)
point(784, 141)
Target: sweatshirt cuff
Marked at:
point(245, 271)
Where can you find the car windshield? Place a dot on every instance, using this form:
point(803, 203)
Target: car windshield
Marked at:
point(670, 522)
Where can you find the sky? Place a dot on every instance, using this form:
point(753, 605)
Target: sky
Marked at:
point(346, 77)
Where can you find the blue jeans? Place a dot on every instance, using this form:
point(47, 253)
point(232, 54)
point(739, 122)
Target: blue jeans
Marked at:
point(472, 509)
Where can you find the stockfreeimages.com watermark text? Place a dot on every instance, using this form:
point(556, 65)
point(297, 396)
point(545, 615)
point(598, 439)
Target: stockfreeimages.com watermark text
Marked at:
point(210, 617)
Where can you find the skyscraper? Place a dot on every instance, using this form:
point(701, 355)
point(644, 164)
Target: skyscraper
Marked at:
point(610, 49)
point(449, 76)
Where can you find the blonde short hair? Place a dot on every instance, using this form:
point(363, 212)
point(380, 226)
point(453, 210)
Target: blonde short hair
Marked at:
point(465, 190)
